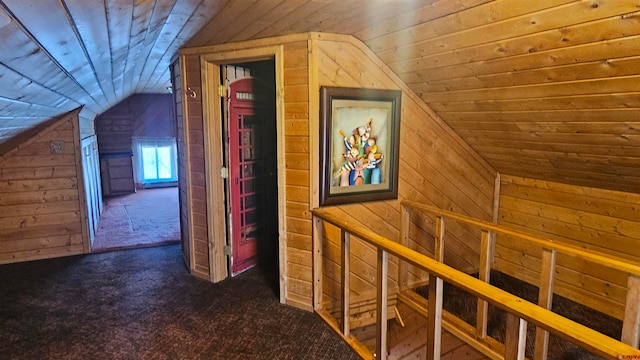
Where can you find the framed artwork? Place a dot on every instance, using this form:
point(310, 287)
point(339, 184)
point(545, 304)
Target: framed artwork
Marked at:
point(359, 142)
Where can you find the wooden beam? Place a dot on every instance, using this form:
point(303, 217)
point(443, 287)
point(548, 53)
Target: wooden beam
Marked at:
point(82, 198)
point(318, 234)
point(345, 283)
point(484, 274)
point(403, 267)
point(213, 156)
point(314, 123)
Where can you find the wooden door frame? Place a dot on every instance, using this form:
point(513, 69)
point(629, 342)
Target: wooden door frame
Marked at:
point(213, 147)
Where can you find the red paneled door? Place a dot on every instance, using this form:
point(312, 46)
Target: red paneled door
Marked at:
point(246, 178)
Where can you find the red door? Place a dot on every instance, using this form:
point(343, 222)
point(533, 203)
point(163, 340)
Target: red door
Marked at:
point(246, 175)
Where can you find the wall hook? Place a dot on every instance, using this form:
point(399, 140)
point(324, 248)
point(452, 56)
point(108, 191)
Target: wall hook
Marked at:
point(191, 93)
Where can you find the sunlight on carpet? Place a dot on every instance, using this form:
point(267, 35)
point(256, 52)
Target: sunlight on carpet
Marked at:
point(144, 218)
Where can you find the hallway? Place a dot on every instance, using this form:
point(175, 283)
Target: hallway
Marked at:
point(144, 304)
point(147, 217)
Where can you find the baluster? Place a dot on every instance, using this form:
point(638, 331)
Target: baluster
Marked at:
point(434, 325)
point(516, 337)
point(438, 250)
point(345, 264)
point(545, 299)
point(403, 266)
point(484, 273)
point(631, 322)
point(382, 316)
point(434, 318)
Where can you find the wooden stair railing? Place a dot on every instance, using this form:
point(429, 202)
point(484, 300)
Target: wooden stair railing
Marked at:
point(520, 312)
point(631, 321)
point(488, 346)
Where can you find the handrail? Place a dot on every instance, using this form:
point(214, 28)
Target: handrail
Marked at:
point(606, 260)
point(631, 321)
point(574, 332)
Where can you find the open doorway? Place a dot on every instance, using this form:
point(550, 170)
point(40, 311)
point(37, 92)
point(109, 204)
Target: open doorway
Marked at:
point(147, 217)
point(138, 170)
point(215, 108)
point(250, 145)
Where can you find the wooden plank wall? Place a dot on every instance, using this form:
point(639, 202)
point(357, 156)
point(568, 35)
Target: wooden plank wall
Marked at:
point(152, 115)
point(114, 130)
point(142, 115)
point(116, 171)
point(195, 163)
point(448, 173)
point(42, 200)
point(601, 220)
point(297, 178)
point(296, 134)
point(183, 191)
point(436, 168)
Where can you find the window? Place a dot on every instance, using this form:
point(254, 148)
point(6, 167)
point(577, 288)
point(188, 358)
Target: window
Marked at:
point(155, 160)
point(156, 163)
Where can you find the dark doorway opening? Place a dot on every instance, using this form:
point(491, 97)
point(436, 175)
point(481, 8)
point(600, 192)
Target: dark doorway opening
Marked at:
point(251, 157)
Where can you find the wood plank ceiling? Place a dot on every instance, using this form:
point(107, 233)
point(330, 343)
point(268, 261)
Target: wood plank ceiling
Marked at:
point(547, 89)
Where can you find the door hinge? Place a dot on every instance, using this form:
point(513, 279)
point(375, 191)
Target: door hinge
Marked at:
point(227, 250)
point(224, 173)
point(222, 90)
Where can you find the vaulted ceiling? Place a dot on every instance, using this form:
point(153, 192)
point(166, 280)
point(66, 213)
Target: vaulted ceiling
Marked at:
point(547, 89)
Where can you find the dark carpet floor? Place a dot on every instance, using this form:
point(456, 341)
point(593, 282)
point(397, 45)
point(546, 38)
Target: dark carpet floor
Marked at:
point(143, 304)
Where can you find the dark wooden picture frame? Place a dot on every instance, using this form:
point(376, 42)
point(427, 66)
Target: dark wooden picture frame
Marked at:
point(359, 144)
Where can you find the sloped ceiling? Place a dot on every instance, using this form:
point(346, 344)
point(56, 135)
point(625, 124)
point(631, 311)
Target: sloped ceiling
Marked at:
point(547, 89)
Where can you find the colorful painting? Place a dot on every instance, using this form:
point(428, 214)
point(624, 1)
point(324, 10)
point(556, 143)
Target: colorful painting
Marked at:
point(359, 144)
